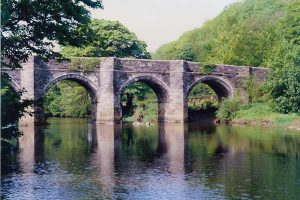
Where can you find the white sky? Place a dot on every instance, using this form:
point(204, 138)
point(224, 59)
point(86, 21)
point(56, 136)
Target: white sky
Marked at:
point(160, 21)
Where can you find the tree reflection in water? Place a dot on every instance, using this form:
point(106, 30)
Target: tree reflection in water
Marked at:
point(81, 160)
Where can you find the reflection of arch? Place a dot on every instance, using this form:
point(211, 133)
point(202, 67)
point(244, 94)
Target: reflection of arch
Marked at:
point(222, 88)
point(160, 89)
point(85, 82)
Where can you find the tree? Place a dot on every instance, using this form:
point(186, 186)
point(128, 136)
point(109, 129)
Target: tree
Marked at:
point(12, 109)
point(243, 34)
point(109, 38)
point(67, 99)
point(137, 89)
point(186, 53)
point(31, 26)
point(284, 79)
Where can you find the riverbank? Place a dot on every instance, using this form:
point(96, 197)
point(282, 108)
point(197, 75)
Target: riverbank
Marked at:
point(254, 115)
point(260, 114)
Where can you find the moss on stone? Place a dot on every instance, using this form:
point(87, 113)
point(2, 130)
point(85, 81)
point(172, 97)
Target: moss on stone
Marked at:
point(206, 68)
point(84, 64)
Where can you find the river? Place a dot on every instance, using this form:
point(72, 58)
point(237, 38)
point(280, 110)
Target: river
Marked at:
point(74, 159)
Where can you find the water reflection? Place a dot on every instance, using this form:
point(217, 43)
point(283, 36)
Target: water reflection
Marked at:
point(250, 163)
point(106, 139)
point(172, 138)
point(26, 146)
point(72, 159)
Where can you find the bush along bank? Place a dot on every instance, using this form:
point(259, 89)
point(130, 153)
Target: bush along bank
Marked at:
point(232, 111)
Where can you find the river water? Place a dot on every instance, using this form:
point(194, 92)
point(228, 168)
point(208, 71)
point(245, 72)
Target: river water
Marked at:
point(73, 159)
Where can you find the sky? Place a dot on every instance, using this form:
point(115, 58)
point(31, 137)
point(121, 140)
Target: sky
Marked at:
point(158, 22)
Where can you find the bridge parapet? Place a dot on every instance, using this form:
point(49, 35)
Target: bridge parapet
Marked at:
point(136, 65)
point(230, 70)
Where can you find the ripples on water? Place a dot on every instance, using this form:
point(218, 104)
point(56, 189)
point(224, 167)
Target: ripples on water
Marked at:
point(72, 159)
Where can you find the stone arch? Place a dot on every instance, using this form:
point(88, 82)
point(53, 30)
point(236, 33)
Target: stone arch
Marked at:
point(159, 88)
point(222, 87)
point(82, 80)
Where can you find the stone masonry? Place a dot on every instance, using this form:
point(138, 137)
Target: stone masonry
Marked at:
point(171, 81)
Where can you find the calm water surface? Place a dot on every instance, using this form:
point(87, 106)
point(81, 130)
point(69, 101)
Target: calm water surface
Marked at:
point(73, 159)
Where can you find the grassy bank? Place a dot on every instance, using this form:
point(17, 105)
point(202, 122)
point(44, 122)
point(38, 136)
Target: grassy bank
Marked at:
point(143, 111)
point(260, 114)
point(143, 107)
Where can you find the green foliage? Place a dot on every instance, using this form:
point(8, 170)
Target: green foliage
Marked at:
point(204, 106)
point(243, 34)
point(139, 103)
point(292, 24)
point(255, 90)
point(139, 142)
point(284, 85)
point(166, 52)
point(84, 65)
point(202, 97)
point(67, 99)
point(29, 27)
point(206, 68)
point(186, 53)
point(12, 109)
point(201, 90)
point(255, 110)
point(284, 78)
point(109, 38)
point(262, 114)
point(253, 33)
point(139, 89)
point(228, 110)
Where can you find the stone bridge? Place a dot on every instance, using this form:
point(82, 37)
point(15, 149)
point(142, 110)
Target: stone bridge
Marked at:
point(170, 80)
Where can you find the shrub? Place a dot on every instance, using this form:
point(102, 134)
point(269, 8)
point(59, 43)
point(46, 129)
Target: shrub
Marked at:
point(255, 89)
point(228, 110)
point(206, 68)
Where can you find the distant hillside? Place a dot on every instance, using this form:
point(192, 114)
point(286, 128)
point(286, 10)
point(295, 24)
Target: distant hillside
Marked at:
point(243, 34)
